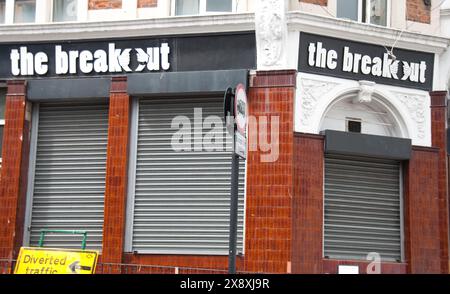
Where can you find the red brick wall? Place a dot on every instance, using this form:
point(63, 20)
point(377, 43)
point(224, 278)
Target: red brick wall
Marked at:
point(318, 2)
point(147, 3)
point(439, 140)
point(14, 170)
point(270, 185)
point(421, 198)
point(104, 4)
point(417, 11)
point(307, 256)
point(421, 212)
point(331, 266)
point(308, 204)
point(269, 192)
point(284, 211)
point(109, 4)
point(116, 172)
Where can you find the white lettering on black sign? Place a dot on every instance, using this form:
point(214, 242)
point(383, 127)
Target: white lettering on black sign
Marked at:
point(385, 67)
point(359, 61)
point(127, 56)
point(113, 60)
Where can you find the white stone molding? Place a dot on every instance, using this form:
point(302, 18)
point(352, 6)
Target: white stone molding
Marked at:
point(366, 89)
point(271, 34)
point(128, 28)
point(350, 30)
point(312, 90)
point(417, 110)
point(315, 95)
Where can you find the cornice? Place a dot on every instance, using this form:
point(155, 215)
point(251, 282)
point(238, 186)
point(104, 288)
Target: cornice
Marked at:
point(351, 30)
point(127, 28)
point(182, 25)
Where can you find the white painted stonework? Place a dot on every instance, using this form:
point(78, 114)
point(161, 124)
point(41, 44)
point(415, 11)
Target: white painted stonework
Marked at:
point(271, 34)
point(324, 102)
point(312, 89)
point(444, 60)
point(366, 89)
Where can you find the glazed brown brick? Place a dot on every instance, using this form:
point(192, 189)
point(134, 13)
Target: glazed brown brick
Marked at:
point(14, 170)
point(269, 195)
point(421, 212)
point(331, 266)
point(270, 185)
point(284, 210)
point(439, 140)
point(147, 3)
point(307, 214)
point(307, 217)
point(116, 171)
point(104, 4)
point(417, 11)
point(317, 2)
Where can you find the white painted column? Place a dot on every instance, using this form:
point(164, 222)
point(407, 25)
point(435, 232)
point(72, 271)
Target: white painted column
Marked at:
point(9, 12)
point(43, 11)
point(398, 15)
point(444, 58)
point(129, 8)
point(83, 7)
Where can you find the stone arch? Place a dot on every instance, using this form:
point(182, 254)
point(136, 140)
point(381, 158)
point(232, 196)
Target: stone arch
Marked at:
point(383, 109)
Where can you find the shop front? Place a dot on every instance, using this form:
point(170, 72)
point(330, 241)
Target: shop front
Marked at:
point(126, 140)
point(369, 127)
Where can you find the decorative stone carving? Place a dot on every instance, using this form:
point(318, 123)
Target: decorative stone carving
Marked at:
point(271, 34)
point(311, 92)
point(366, 89)
point(416, 107)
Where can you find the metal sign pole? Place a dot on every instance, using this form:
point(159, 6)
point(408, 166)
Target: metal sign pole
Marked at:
point(235, 106)
point(233, 213)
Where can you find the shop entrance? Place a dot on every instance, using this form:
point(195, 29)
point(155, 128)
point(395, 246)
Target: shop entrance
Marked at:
point(67, 179)
point(362, 208)
point(181, 185)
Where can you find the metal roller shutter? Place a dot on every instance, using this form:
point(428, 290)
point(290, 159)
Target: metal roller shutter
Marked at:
point(69, 180)
point(362, 208)
point(182, 198)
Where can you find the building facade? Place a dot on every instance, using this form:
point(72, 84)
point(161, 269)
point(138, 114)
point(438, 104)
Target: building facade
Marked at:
point(113, 123)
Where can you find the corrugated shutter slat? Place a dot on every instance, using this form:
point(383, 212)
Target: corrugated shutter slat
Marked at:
point(182, 198)
point(69, 181)
point(362, 208)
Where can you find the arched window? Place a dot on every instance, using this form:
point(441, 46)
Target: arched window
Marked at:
point(371, 116)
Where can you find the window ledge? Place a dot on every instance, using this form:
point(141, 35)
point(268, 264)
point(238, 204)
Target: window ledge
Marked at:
point(217, 23)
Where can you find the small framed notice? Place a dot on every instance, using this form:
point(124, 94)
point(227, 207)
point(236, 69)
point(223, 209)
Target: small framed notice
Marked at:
point(348, 269)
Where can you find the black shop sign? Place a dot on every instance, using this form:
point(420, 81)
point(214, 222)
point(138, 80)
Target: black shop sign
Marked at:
point(127, 56)
point(360, 61)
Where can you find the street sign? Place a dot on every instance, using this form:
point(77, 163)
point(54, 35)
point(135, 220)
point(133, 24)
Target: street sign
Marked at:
point(228, 100)
point(240, 145)
point(241, 109)
point(55, 261)
point(241, 118)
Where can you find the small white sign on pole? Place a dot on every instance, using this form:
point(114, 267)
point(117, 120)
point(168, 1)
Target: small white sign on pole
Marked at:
point(240, 147)
point(241, 117)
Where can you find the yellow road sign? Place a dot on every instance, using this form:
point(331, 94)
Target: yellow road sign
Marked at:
point(55, 261)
